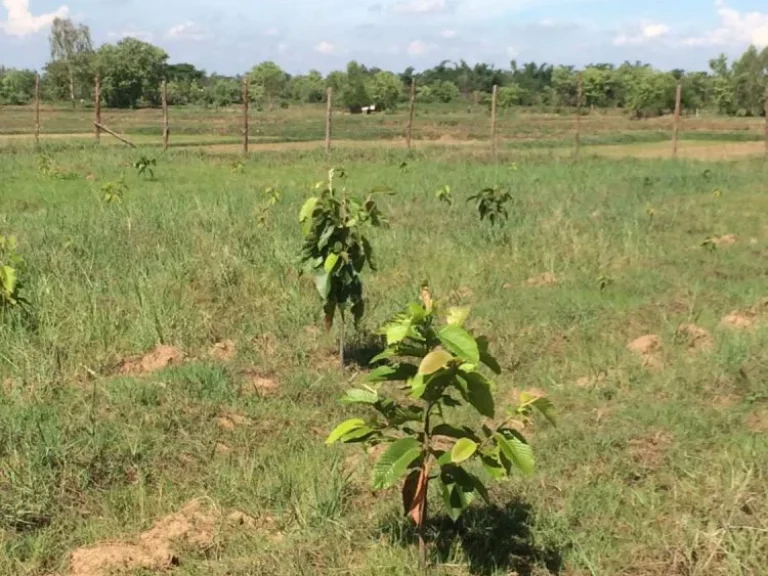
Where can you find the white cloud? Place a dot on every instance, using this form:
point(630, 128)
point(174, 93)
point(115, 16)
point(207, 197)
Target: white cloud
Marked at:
point(641, 34)
point(512, 52)
point(420, 6)
point(131, 33)
point(20, 21)
point(735, 28)
point(448, 34)
point(419, 48)
point(272, 32)
point(325, 48)
point(187, 31)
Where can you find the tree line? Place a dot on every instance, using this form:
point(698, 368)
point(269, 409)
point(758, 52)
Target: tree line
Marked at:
point(132, 71)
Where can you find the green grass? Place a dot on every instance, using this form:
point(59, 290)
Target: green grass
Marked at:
point(649, 471)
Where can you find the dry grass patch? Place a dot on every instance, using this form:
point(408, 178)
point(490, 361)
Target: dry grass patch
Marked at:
point(151, 362)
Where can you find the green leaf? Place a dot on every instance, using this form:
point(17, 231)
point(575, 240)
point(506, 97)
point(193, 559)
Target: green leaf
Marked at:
point(391, 373)
point(486, 357)
point(457, 315)
point(8, 278)
point(305, 215)
point(330, 262)
point(360, 396)
point(493, 467)
point(385, 355)
point(323, 284)
point(517, 452)
point(460, 342)
point(434, 361)
point(543, 405)
point(418, 386)
point(463, 450)
point(343, 429)
point(479, 393)
point(357, 434)
point(396, 333)
point(395, 462)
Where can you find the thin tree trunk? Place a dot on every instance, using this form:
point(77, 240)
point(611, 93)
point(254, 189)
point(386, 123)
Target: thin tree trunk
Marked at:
point(72, 88)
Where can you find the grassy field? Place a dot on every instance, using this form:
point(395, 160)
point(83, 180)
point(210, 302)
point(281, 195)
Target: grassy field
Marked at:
point(164, 406)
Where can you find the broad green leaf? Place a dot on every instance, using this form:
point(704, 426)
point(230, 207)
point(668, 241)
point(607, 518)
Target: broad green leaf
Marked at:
point(480, 394)
point(344, 428)
point(396, 333)
point(8, 277)
point(457, 315)
point(493, 467)
point(517, 452)
point(385, 355)
point(360, 396)
point(418, 386)
point(455, 499)
point(395, 462)
point(357, 434)
point(460, 342)
point(463, 450)
point(434, 361)
point(305, 215)
point(391, 373)
point(330, 262)
point(486, 357)
point(453, 432)
point(323, 284)
point(540, 403)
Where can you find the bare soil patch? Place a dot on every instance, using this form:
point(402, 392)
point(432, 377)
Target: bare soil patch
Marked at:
point(649, 450)
point(545, 279)
point(695, 337)
point(648, 348)
point(154, 361)
point(223, 351)
point(255, 383)
point(156, 549)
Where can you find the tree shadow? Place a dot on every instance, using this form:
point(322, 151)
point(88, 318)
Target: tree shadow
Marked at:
point(362, 348)
point(492, 539)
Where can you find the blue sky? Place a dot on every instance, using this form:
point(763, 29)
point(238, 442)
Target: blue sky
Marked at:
point(229, 36)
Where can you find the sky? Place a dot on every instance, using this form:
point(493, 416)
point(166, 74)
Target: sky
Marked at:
point(230, 36)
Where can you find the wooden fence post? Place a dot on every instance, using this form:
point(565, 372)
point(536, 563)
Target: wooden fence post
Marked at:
point(37, 110)
point(97, 108)
point(493, 118)
point(328, 116)
point(166, 130)
point(412, 111)
point(579, 104)
point(676, 133)
point(246, 105)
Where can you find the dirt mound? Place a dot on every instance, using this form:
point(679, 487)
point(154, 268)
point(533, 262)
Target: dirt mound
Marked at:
point(696, 337)
point(154, 361)
point(648, 348)
point(258, 384)
point(726, 240)
point(223, 351)
point(153, 550)
point(650, 450)
point(545, 279)
point(231, 421)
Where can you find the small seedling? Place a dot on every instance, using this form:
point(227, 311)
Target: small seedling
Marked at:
point(650, 211)
point(335, 250)
point(113, 192)
point(434, 361)
point(145, 165)
point(603, 282)
point(709, 243)
point(237, 167)
point(491, 204)
point(273, 197)
point(12, 271)
point(717, 193)
point(443, 194)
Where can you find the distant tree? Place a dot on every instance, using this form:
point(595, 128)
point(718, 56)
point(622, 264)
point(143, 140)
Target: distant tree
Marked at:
point(445, 91)
point(510, 95)
point(354, 94)
point(17, 86)
point(309, 88)
point(71, 45)
point(269, 80)
point(386, 90)
point(131, 73)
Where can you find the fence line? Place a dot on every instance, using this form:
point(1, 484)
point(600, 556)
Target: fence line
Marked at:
point(500, 133)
